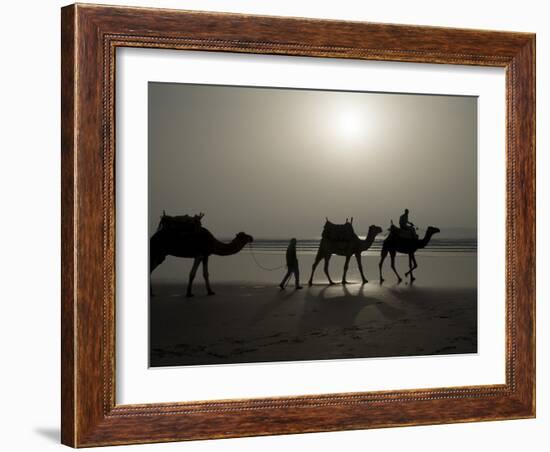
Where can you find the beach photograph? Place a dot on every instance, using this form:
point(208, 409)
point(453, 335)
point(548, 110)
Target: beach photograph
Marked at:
point(297, 225)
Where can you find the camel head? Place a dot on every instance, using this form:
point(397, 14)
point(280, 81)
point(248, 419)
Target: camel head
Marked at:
point(429, 233)
point(374, 230)
point(244, 238)
point(432, 230)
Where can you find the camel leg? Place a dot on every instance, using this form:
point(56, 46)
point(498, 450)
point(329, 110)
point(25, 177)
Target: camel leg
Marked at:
point(327, 260)
point(410, 266)
point(154, 261)
point(383, 255)
point(412, 258)
point(392, 257)
point(206, 276)
point(360, 265)
point(346, 265)
point(192, 274)
point(157, 252)
point(313, 267)
point(409, 272)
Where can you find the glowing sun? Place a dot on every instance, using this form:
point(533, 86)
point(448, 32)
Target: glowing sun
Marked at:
point(349, 125)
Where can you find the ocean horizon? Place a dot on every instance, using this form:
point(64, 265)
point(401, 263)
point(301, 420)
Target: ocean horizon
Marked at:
point(311, 245)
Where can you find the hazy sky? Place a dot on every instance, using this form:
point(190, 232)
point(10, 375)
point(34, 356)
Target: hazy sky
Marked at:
point(275, 162)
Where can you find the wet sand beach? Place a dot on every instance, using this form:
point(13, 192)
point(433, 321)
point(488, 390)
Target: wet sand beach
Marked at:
point(257, 322)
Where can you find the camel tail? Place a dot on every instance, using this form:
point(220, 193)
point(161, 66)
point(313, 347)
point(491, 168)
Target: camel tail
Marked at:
point(157, 252)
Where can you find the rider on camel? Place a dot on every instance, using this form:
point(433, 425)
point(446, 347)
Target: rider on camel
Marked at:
point(405, 224)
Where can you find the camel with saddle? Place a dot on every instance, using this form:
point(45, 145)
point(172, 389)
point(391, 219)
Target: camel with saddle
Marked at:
point(184, 236)
point(341, 239)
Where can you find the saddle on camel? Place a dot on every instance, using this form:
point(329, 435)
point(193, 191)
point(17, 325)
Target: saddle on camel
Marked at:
point(407, 234)
point(339, 232)
point(186, 224)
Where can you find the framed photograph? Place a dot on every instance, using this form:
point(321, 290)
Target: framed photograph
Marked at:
point(281, 225)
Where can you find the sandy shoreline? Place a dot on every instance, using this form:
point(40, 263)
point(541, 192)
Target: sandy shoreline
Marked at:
point(256, 322)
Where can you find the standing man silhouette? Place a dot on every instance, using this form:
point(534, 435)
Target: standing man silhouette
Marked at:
point(291, 265)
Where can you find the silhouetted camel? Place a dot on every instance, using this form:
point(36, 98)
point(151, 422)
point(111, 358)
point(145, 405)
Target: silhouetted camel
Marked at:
point(347, 248)
point(394, 243)
point(199, 245)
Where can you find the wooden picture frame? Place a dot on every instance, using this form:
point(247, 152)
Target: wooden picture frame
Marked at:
point(90, 36)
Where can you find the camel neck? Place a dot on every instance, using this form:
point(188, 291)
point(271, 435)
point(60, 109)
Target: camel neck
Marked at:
point(226, 249)
point(425, 240)
point(368, 240)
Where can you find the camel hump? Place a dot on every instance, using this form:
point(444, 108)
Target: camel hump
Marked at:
point(339, 232)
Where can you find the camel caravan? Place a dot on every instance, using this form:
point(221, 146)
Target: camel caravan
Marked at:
point(184, 236)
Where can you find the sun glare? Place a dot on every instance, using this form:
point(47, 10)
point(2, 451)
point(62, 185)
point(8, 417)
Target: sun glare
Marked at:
point(349, 125)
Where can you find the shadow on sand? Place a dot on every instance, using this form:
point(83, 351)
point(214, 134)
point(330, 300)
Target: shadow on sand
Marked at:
point(260, 323)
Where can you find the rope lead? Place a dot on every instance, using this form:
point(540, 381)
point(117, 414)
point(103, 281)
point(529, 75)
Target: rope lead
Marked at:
point(260, 265)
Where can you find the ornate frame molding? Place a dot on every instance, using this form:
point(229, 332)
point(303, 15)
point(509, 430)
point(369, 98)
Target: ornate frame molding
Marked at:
point(90, 37)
